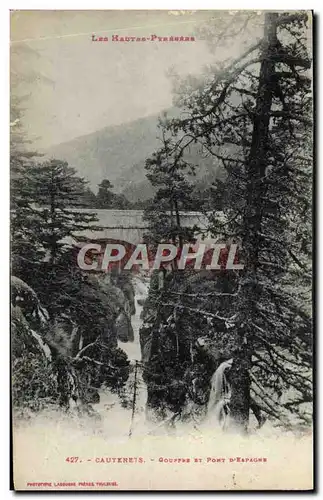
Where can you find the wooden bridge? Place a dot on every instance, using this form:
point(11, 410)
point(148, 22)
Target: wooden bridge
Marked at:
point(129, 225)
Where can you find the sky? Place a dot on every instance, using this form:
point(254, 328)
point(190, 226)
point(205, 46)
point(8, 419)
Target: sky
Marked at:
point(74, 86)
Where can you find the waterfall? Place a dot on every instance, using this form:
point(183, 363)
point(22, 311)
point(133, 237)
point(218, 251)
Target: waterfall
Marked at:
point(109, 408)
point(217, 409)
point(132, 349)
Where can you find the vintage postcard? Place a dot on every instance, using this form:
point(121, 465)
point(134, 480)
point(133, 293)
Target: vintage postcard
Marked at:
point(161, 250)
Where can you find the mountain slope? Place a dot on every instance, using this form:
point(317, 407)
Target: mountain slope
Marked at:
point(109, 151)
point(118, 153)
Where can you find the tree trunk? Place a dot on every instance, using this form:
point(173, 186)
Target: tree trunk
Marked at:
point(256, 170)
point(134, 400)
point(178, 223)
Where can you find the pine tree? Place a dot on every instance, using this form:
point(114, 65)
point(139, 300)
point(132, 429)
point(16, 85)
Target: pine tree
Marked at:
point(105, 195)
point(106, 198)
point(57, 194)
point(25, 251)
point(254, 115)
point(173, 194)
point(45, 209)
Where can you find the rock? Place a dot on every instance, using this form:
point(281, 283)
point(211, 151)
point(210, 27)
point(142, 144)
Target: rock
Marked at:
point(124, 328)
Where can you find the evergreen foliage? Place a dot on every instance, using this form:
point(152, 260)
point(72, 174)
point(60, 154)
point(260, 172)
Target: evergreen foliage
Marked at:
point(254, 115)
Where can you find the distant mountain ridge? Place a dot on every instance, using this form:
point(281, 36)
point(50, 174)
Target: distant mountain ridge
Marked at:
point(118, 153)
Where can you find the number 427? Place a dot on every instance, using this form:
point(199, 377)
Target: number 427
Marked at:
point(72, 460)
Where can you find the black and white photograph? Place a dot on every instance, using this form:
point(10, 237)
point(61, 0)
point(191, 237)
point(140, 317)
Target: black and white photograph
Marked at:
point(161, 267)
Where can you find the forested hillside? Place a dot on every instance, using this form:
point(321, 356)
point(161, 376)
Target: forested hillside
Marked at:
point(119, 154)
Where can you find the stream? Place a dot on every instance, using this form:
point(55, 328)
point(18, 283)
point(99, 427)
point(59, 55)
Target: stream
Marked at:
point(191, 456)
point(110, 407)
